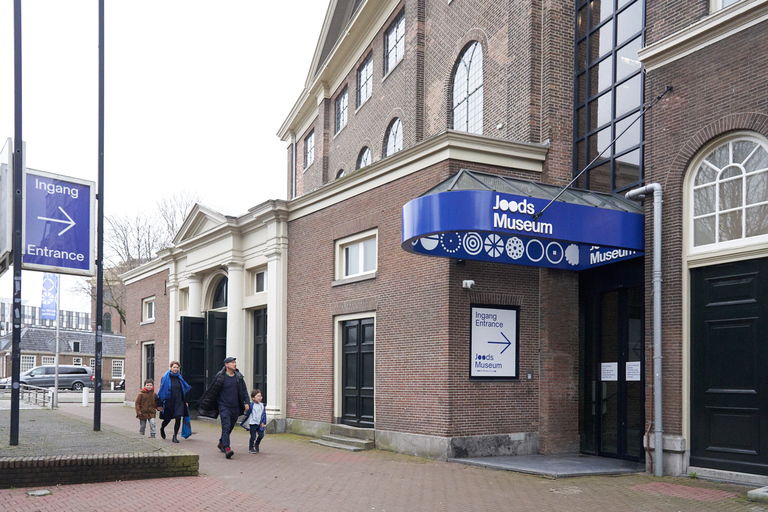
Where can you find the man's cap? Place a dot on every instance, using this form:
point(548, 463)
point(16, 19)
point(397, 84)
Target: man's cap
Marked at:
point(230, 359)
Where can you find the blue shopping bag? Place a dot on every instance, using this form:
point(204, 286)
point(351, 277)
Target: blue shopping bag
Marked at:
point(186, 428)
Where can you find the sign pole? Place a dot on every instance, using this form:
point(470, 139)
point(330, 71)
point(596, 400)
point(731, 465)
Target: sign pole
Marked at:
point(100, 232)
point(18, 161)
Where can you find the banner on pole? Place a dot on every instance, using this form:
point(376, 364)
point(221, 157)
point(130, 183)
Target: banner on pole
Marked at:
point(48, 307)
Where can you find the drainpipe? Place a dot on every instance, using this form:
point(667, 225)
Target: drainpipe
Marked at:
point(658, 465)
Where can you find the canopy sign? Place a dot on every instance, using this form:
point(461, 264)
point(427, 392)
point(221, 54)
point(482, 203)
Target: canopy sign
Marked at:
point(493, 226)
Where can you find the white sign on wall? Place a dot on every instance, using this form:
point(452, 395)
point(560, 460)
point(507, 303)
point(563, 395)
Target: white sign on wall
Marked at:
point(494, 342)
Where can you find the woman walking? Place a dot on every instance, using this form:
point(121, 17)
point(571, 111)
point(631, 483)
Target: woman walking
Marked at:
point(172, 393)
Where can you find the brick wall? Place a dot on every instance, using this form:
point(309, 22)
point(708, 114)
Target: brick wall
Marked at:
point(156, 331)
point(697, 111)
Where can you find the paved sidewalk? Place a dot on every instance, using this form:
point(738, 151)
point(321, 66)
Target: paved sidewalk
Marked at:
point(292, 474)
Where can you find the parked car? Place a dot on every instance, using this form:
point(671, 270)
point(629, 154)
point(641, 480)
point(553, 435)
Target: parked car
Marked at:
point(70, 377)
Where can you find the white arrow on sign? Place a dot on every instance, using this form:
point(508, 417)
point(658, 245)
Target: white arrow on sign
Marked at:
point(70, 221)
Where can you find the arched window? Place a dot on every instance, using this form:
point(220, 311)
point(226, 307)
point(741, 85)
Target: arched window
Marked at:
point(107, 322)
point(340, 173)
point(729, 193)
point(220, 294)
point(394, 137)
point(364, 158)
point(467, 113)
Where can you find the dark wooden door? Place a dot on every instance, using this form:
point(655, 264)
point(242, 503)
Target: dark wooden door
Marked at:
point(193, 356)
point(729, 357)
point(358, 373)
point(260, 352)
point(215, 343)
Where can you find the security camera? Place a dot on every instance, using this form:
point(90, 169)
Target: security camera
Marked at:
point(468, 284)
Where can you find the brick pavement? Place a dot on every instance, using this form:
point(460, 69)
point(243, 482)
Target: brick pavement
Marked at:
point(291, 474)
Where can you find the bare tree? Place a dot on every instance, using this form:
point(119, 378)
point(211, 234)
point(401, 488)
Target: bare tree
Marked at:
point(130, 241)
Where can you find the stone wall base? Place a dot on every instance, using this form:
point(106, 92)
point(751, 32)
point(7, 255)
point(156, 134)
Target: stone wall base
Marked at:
point(83, 469)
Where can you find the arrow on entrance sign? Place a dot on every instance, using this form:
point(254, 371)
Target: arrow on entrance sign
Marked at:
point(507, 343)
point(69, 221)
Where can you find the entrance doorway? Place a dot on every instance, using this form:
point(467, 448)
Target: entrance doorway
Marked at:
point(260, 352)
point(612, 405)
point(729, 319)
point(357, 339)
point(203, 349)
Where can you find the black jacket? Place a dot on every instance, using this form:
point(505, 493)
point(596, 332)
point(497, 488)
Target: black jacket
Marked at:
point(208, 405)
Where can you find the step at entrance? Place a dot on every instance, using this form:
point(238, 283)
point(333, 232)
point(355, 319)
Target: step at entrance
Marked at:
point(352, 439)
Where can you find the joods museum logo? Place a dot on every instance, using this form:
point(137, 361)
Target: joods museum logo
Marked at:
point(504, 221)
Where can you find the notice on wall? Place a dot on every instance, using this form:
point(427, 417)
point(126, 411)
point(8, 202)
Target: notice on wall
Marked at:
point(494, 337)
point(633, 371)
point(609, 372)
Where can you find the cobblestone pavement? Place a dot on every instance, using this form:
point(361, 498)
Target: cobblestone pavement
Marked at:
point(291, 474)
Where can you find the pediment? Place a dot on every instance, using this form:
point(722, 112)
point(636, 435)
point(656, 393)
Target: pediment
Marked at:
point(336, 19)
point(200, 220)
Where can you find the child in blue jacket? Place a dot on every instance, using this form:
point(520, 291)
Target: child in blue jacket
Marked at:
point(255, 421)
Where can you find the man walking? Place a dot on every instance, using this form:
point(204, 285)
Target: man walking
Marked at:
point(227, 396)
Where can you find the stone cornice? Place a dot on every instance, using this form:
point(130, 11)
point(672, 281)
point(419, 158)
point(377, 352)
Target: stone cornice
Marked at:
point(715, 27)
point(448, 145)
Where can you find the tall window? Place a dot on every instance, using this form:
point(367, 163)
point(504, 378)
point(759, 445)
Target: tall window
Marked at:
point(342, 102)
point(117, 368)
point(730, 193)
point(609, 94)
point(467, 113)
point(365, 80)
point(309, 149)
point(364, 158)
point(107, 322)
point(27, 363)
point(220, 294)
point(394, 138)
point(75, 346)
point(260, 282)
point(148, 309)
point(394, 43)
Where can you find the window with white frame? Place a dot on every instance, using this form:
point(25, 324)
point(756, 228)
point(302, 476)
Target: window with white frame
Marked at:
point(77, 361)
point(309, 149)
point(722, 4)
point(117, 368)
point(729, 193)
point(27, 363)
point(394, 138)
point(148, 309)
point(48, 360)
point(184, 299)
point(75, 346)
point(364, 158)
point(342, 102)
point(467, 113)
point(394, 43)
point(260, 282)
point(93, 364)
point(365, 80)
point(356, 255)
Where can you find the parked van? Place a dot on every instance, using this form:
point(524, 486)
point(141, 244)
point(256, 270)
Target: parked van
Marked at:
point(70, 377)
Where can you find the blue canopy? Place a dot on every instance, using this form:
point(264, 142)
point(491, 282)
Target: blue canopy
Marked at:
point(478, 216)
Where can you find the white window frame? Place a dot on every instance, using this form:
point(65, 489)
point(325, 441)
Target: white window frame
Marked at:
point(716, 5)
point(338, 356)
point(394, 46)
point(364, 158)
point(341, 255)
point(77, 361)
point(144, 361)
point(48, 360)
point(256, 281)
point(365, 80)
point(394, 137)
point(309, 149)
point(117, 364)
point(27, 362)
point(729, 246)
point(93, 364)
point(469, 64)
point(148, 310)
point(342, 109)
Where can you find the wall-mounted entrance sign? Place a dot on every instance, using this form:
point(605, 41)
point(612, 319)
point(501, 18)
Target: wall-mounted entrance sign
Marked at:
point(492, 226)
point(494, 342)
point(58, 224)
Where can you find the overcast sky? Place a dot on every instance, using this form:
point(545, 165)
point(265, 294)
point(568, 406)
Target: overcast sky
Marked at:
point(195, 92)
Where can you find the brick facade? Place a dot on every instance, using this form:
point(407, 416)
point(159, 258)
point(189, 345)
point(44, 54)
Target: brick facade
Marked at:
point(137, 332)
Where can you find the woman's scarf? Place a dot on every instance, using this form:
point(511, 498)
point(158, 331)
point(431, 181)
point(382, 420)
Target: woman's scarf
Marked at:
point(164, 393)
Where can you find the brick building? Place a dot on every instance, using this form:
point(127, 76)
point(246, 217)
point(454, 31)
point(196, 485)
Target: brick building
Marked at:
point(447, 128)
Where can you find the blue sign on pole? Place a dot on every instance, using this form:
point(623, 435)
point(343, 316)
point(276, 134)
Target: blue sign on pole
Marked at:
point(48, 300)
point(58, 228)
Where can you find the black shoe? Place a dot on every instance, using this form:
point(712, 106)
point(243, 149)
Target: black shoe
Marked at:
point(221, 447)
point(256, 448)
point(162, 432)
point(229, 452)
point(175, 439)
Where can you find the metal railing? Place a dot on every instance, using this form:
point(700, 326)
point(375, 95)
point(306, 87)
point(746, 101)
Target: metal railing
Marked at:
point(32, 395)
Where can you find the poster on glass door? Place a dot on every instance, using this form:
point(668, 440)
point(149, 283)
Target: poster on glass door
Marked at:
point(494, 342)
